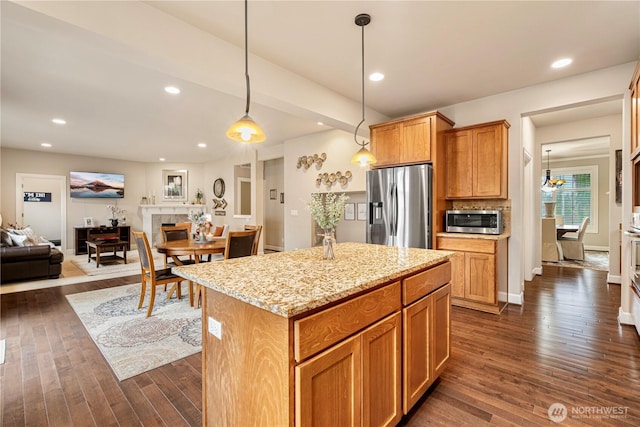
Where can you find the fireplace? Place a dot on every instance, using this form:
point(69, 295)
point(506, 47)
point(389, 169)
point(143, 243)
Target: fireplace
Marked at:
point(153, 216)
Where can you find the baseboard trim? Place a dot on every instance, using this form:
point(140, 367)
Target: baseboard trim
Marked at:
point(274, 248)
point(625, 318)
point(517, 299)
point(614, 279)
point(537, 271)
point(596, 248)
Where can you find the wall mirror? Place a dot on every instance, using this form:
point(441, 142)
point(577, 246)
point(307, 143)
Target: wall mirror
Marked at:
point(242, 181)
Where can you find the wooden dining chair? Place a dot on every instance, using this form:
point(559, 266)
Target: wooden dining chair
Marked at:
point(258, 228)
point(152, 277)
point(181, 231)
point(239, 244)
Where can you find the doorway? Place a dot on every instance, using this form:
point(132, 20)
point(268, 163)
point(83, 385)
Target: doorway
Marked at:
point(41, 203)
point(273, 205)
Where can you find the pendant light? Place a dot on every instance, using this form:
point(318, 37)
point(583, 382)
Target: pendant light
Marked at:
point(363, 157)
point(549, 184)
point(245, 129)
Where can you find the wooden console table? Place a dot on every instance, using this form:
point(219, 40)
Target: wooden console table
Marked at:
point(82, 235)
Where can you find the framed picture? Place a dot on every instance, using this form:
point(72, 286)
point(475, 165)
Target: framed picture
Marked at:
point(88, 222)
point(273, 194)
point(618, 176)
point(281, 197)
point(349, 211)
point(362, 211)
point(174, 185)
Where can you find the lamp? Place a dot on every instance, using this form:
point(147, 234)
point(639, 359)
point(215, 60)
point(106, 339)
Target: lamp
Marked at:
point(245, 129)
point(549, 184)
point(363, 157)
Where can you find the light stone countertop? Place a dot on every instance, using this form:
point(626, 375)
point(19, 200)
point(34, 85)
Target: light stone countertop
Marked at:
point(291, 283)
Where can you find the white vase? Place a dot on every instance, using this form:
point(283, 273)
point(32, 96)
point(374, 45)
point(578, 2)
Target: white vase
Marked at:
point(549, 209)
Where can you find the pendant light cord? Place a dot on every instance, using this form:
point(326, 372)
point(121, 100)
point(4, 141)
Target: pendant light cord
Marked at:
point(246, 56)
point(355, 134)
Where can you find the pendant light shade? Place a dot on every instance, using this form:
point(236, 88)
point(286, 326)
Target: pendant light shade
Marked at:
point(363, 157)
point(550, 185)
point(246, 129)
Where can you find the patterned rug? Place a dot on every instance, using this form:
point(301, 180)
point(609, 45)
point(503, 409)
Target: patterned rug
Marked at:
point(111, 267)
point(131, 342)
point(594, 260)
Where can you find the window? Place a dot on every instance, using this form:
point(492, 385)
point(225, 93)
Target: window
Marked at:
point(577, 198)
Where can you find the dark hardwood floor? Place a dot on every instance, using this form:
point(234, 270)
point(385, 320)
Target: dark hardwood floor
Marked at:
point(563, 345)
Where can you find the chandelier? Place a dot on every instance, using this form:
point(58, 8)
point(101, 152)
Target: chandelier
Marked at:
point(549, 184)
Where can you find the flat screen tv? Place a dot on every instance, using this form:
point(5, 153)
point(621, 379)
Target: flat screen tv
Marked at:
point(89, 185)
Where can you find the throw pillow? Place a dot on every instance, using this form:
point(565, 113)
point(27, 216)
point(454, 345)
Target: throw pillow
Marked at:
point(18, 239)
point(5, 238)
point(218, 231)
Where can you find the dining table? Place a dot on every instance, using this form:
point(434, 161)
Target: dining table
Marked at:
point(561, 230)
point(191, 247)
point(194, 248)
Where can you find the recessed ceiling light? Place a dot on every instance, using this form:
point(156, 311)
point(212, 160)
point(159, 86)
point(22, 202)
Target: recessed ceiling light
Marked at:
point(162, 159)
point(45, 144)
point(59, 121)
point(172, 90)
point(320, 123)
point(561, 63)
point(202, 145)
point(376, 77)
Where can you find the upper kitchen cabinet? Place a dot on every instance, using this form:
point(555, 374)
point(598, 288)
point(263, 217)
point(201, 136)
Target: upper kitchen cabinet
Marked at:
point(407, 140)
point(476, 159)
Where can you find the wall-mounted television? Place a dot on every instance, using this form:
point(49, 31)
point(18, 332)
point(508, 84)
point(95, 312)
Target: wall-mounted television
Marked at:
point(89, 185)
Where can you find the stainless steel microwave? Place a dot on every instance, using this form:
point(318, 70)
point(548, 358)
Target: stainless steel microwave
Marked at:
point(474, 221)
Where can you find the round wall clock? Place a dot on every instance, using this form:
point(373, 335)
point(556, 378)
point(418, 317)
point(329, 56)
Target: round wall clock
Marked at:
point(218, 187)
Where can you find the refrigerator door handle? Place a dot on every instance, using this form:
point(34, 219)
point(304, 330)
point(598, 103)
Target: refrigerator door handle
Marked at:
point(394, 201)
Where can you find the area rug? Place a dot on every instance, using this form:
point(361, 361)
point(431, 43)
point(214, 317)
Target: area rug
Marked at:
point(132, 266)
point(594, 260)
point(129, 341)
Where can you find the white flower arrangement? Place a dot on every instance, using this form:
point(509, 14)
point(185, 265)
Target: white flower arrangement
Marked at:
point(198, 218)
point(327, 209)
point(115, 210)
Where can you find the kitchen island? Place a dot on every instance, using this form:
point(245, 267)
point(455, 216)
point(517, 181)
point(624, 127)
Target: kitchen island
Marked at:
point(291, 339)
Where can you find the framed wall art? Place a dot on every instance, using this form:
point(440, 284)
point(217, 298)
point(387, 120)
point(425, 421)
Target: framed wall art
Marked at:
point(349, 211)
point(174, 185)
point(362, 211)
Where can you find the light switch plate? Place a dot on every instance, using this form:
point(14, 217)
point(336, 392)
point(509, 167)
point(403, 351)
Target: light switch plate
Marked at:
point(294, 212)
point(215, 327)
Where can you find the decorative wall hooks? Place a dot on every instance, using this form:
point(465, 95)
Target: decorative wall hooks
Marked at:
point(329, 179)
point(307, 161)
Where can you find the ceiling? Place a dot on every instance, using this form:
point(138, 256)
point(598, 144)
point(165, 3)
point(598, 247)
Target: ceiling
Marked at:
point(58, 59)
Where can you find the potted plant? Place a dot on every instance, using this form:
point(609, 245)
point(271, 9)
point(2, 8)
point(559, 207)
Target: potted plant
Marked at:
point(199, 196)
point(327, 209)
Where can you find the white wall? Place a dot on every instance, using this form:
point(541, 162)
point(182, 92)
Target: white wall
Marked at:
point(301, 183)
point(601, 84)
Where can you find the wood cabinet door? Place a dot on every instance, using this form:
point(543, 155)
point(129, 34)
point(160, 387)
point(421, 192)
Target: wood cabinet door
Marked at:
point(385, 144)
point(488, 152)
point(441, 343)
point(480, 282)
point(416, 140)
point(381, 372)
point(328, 387)
point(459, 164)
point(457, 275)
point(418, 372)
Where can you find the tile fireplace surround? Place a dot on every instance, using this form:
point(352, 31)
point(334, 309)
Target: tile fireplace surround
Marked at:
point(153, 216)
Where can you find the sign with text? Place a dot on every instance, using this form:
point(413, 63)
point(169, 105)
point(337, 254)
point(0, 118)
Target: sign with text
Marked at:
point(37, 196)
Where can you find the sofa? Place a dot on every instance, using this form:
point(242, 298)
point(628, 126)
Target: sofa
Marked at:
point(28, 261)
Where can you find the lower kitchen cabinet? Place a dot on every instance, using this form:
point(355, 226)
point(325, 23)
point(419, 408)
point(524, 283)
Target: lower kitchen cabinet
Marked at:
point(328, 391)
point(426, 343)
point(478, 272)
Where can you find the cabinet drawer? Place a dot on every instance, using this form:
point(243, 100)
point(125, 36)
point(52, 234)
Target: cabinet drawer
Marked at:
point(421, 284)
point(466, 245)
point(321, 330)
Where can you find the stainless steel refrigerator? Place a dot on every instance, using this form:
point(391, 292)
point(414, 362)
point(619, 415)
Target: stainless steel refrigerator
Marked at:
point(399, 206)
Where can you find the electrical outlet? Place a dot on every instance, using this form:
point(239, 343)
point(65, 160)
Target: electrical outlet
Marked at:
point(215, 328)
